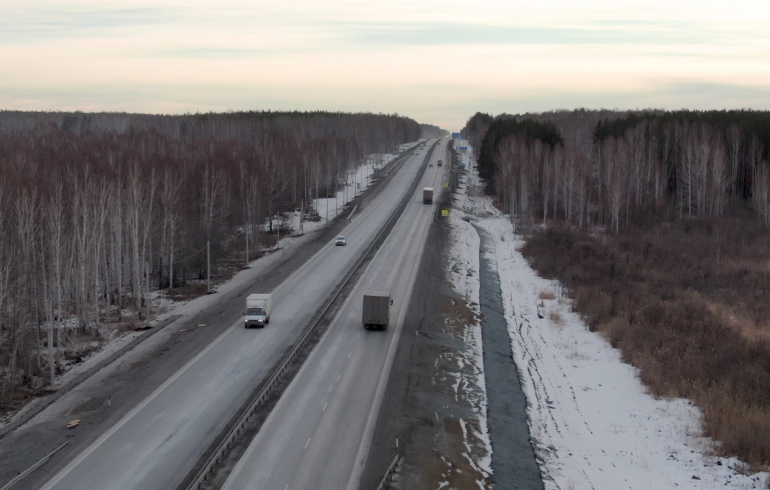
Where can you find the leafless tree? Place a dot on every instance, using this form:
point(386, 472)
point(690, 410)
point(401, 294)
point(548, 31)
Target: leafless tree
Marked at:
point(140, 198)
point(761, 193)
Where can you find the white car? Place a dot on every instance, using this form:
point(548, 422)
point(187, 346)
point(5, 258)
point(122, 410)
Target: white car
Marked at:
point(340, 241)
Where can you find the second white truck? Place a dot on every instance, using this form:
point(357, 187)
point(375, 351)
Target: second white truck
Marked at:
point(258, 308)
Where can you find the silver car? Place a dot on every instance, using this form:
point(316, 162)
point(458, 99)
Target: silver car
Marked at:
point(340, 241)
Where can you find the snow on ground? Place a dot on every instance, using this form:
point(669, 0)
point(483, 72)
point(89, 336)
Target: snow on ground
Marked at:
point(463, 271)
point(592, 423)
point(357, 182)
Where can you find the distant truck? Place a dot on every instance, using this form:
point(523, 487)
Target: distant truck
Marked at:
point(258, 308)
point(440, 162)
point(427, 195)
point(376, 312)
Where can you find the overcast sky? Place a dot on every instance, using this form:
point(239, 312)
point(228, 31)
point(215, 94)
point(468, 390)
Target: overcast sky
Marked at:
point(438, 62)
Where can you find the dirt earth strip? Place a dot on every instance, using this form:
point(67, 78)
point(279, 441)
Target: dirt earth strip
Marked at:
point(428, 417)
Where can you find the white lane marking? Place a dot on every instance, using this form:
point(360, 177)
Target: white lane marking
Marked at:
point(324, 408)
point(338, 378)
point(64, 472)
point(349, 354)
point(364, 446)
point(308, 442)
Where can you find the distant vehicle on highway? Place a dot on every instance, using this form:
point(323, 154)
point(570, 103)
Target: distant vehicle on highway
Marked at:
point(427, 195)
point(258, 307)
point(340, 241)
point(376, 312)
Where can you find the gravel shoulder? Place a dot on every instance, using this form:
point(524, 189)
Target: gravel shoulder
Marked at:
point(429, 422)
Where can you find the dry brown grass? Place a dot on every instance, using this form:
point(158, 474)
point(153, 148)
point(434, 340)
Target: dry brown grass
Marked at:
point(688, 311)
point(547, 295)
point(555, 318)
point(191, 290)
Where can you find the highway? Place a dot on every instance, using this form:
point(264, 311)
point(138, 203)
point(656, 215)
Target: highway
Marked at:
point(155, 445)
point(319, 433)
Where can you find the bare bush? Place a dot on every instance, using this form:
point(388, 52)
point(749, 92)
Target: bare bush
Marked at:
point(673, 299)
point(547, 295)
point(556, 318)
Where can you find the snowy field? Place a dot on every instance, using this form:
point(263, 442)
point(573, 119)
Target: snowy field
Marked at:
point(592, 423)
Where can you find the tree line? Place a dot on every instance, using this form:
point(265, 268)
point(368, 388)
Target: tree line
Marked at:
point(658, 224)
point(614, 169)
point(97, 210)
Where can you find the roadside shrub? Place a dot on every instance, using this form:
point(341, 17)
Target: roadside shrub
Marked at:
point(686, 305)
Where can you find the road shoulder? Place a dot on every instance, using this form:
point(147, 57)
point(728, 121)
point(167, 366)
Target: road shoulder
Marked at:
point(430, 413)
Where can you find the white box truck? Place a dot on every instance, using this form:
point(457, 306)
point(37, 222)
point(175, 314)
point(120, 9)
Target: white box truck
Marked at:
point(427, 195)
point(376, 312)
point(258, 308)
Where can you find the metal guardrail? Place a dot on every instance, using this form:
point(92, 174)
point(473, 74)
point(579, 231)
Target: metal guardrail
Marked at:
point(32, 468)
point(230, 435)
point(45, 402)
point(388, 473)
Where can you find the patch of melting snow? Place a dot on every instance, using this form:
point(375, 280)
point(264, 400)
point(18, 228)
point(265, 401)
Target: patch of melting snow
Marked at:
point(466, 282)
point(165, 308)
point(593, 424)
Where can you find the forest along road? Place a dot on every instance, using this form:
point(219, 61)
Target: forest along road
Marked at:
point(154, 444)
point(319, 433)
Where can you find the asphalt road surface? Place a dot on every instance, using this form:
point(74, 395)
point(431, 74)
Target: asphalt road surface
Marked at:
point(150, 436)
point(162, 437)
point(319, 433)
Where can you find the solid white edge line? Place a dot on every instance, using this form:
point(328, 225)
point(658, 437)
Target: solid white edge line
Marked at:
point(109, 433)
point(363, 449)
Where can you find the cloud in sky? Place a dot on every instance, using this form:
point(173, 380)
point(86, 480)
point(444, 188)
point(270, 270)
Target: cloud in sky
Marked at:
point(437, 62)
